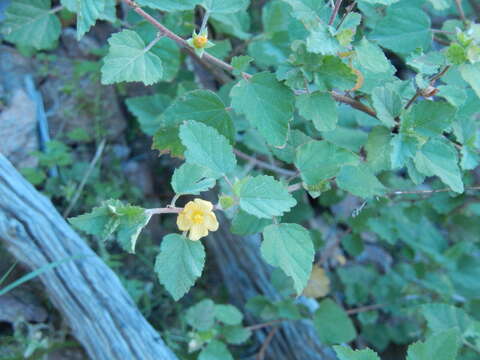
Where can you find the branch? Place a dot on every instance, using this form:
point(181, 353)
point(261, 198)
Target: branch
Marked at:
point(167, 210)
point(227, 67)
point(458, 3)
point(336, 8)
point(263, 164)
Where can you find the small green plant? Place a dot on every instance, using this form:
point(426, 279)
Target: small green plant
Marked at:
point(312, 129)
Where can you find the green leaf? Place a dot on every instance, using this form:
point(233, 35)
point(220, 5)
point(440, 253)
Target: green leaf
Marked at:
point(131, 221)
point(360, 181)
point(379, 2)
point(378, 148)
point(203, 106)
point(345, 353)
point(236, 334)
point(319, 161)
point(215, 350)
point(31, 23)
point(258, 98)
point(334, 73)
point(332, 324)
point(240, 64)
point(428, 118)
point(129, 59)
point(228, 314)
point(371, 57)
point(321, 40)
point(191, 179)
point(201, 316)
point(206, 147)
point(320, 108)
point(440, 158)
point(471, 74)
point(89, 11)
point(112, 216)
point(179, 264)
point(167, 140)
point(265, 197)
point(403, 29)
point(169, 5)
point(225, 6)
point(442, 317)
point(387, 103)
point(404, 147)
point(147, 110)
point(289, 247)
point(245, 224)
point(439, 346)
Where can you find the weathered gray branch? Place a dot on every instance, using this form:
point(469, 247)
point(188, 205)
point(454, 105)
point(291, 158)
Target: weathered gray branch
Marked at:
point(100, 313)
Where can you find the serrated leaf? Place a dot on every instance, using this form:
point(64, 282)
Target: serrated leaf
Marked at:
point(439, 346)
point(371, 57)
point(345, 353)
point(440, 158)
point(236, 335)
point(167, 140)
point(179, 264)
point(321, 41)
point(428, 118)
point(191, 179)
point(319, 161)
point(132, 219)
point(404, 147)
point(265, 197)
point(320, 108)
point(203, 106)
point(334, 73)
point(359, 180)
point(224, 6)
point(31, 23)
point(403, 29)
point(89, 11)
point(289, 247)
point(228, 314)
point(169, 5)
point(240, 64)
point(147, 110)
point(378, 148)
point(387, 103)
point(258, 99)
point(441, 317)
point(215, 350)
point(206, 147)
point(129, 59)
point(471, 74)
point(246, 224)
point(201, 316)
point(96, 222)
point(332, 324)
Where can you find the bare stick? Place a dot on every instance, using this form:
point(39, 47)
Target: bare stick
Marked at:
point(336, 8)
point(458, 3)
point(167, 210)
point(263, 349)
point(80, 187)
point(264, 325)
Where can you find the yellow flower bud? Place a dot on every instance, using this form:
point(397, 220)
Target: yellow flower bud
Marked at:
point(200, 41)
point(198, 219)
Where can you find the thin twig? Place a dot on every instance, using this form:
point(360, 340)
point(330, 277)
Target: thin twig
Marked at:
point(80, 187)
point(365, 308)
point(265, 324)
point(432, 81)
point(458, 3)
point(225, 66)
point(422, 192)
point(336, 8)
point(471, 346)
point(167, 210)
point(264, 165)
point(266, 343)
point(56, 9)
point(295, 187)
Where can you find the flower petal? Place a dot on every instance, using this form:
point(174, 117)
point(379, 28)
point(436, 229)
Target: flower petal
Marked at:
point(197, 231)
point(205, 206)
point(183, 222)
point(211, 222)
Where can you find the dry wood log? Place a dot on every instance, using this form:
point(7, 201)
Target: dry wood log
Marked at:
point(245, 275)
point(100, 313)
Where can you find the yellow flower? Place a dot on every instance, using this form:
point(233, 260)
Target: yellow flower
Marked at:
point(198, 218)
point(200, 41)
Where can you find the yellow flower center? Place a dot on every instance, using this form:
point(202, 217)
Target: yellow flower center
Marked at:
point(200, 41)
point(197, 217)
